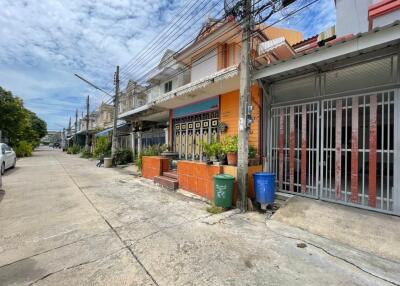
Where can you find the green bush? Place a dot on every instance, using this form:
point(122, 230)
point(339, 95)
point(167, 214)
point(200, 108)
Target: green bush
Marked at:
point(23, 149)
point(123, 156)
point(154, 150)
point(230, 144)
point(252, 152)
point(86, 154)
point(103, 148)
point(213, 149)
point(75, 149)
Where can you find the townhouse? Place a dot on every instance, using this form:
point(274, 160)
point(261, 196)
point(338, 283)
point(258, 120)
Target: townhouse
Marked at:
point(325, 110)
point(193, 99)
point(332, 111)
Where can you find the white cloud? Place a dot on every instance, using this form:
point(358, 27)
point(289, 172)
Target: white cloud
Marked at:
point(44, 42)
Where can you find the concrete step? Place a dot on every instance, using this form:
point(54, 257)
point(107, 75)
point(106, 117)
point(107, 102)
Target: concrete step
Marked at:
point(171, 174)
point(166, 182)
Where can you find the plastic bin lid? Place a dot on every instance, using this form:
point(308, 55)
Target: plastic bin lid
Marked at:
point(266, 174)
point(224, 177)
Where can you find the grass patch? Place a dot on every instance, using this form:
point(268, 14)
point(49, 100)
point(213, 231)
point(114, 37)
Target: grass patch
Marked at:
point(215, 210)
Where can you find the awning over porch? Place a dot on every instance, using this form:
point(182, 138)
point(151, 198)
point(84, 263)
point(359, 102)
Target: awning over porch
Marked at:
point(108, 131)
point(223, 81)
point(333, 51)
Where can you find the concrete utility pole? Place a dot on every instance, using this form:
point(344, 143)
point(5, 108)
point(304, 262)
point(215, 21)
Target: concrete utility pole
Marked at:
point(114, 142)
point(76, 127)
point(244, 108)
point(87, 124)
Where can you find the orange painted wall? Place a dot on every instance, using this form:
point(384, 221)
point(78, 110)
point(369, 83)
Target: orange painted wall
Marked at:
point(230, 114)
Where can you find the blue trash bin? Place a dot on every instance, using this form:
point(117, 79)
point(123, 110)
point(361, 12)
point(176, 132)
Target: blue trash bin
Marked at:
point(264, 186)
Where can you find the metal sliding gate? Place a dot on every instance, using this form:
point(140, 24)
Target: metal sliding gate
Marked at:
point(339, 149)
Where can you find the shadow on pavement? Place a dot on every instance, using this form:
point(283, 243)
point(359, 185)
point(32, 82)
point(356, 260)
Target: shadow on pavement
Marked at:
point(2, 194)
point(11, 171)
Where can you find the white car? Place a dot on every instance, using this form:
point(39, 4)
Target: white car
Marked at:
point(8, 159)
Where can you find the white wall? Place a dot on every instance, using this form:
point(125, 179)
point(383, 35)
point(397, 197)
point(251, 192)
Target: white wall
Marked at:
point(204, 66)
point(386, 19)
point(352, 16)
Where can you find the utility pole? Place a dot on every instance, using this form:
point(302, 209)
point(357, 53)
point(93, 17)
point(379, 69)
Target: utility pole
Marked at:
point(244, 108)
point(116, 104)
point(69, 131)
point(87, 124)
point(76, 127)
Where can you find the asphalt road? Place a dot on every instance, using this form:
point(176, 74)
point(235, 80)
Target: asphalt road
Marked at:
point(65, 222)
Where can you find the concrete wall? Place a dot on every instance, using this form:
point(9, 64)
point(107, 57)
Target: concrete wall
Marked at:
point(352, 16)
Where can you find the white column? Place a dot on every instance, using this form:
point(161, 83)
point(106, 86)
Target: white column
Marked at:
point(166, 136)
point(133, 144)
point(139, 136)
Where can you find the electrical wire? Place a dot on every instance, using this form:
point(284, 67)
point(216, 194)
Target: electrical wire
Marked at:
point(268, 26)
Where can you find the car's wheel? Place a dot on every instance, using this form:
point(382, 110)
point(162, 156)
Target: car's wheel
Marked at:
point(15, 163)
point(3, 168)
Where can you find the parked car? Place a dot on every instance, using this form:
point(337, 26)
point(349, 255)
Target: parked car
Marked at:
point(8, 159)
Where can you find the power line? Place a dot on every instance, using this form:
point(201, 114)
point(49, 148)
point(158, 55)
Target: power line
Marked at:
point(205, 58)
point(191, 41)
point(231, 29)
point(158, 37)
point(170, 39)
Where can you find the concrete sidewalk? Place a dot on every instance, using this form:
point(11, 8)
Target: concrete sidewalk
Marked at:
point(65, 222)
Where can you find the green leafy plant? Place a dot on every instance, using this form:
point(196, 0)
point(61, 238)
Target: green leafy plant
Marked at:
point(23, 149)
point(103, 148)
point(215, 210)
point(153, 150)
point(123, 156)
point(213, 149)
point(75, 149)
point(230, 144)
point(252, 152)
point(86, 154)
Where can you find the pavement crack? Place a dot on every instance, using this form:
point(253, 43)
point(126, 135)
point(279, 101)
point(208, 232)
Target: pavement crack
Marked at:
point(166, 228)
point(335, 256)
point(109, 224)
point(75, 266)
point(52, 249)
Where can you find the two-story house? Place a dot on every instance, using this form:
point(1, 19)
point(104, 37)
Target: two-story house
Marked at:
point(104, 116)
point(195, 90)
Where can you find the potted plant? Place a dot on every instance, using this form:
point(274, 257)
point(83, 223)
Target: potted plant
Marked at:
point(253, 160)
point(212, 151)
point(230, 148)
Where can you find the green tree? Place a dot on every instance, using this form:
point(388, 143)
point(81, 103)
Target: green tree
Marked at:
point(13, 117)
point(18, 123)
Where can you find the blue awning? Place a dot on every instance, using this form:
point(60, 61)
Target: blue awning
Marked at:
point(108, 131)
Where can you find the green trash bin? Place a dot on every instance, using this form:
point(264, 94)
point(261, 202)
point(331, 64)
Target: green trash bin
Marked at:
point(223, 189)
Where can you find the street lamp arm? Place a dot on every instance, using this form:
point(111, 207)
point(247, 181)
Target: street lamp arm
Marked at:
point(93, 85)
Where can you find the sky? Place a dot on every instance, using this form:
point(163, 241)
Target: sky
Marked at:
point(43, 43)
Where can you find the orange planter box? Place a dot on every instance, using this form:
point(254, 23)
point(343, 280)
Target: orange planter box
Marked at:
point(153, 166)
point(198, 178)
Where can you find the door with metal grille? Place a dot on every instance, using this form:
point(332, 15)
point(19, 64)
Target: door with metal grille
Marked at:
point(294, 148)
point(357, 150)
point(192, 131)
point(340, 149)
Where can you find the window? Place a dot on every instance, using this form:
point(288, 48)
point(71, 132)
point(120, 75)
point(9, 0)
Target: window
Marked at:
point(168, 86)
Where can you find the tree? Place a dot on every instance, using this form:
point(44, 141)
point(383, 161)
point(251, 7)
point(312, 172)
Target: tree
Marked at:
point(18, 123)
point(13, 117)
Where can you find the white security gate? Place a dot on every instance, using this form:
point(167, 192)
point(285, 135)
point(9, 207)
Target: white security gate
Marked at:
point(339, 149)
point(294, 147)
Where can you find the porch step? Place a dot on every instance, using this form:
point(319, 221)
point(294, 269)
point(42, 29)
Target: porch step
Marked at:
point(166, 182)
point(171, 174)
